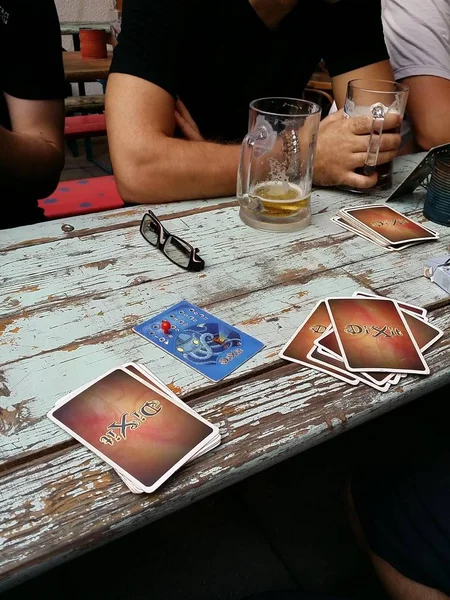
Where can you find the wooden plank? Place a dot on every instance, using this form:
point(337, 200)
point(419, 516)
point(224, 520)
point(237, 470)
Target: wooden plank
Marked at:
point(74, 502)
point(129, 216)
point(100, 261)
point(93, 102)
point(73, 27)
point(402, 276)
point(78, 69)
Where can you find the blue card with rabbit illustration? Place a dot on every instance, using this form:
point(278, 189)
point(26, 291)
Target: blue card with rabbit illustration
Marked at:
point(200, 340)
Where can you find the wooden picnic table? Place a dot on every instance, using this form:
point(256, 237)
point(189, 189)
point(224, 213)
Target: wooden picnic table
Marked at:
point(73, 289)
point(73, 27)
point(82, 70)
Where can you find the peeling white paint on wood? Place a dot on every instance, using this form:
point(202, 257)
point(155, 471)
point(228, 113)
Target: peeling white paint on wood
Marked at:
point(69, 302)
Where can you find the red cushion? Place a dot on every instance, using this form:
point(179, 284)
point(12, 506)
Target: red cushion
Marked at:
point(80, 124)
point(81, 196)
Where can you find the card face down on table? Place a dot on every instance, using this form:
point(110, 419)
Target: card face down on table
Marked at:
point(200, 340)
point(136, 424)
point(384, 226)
point(364, 339)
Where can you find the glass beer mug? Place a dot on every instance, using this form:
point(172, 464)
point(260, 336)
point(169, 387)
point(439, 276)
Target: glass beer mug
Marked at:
point(276, 166)
point(385, 102)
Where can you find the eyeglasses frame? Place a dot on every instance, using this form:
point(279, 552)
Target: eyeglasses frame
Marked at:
point(163, 236)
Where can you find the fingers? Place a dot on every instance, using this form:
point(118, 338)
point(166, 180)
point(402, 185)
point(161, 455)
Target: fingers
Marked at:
point(185, 114)
point(384, 157)
point(392, 121)
point(362, 125)
point(188, 131)
point(359, 158)
point(362, 182)
point(389, 142)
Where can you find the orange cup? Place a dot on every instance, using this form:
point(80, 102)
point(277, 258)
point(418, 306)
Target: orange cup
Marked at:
point(93, 43)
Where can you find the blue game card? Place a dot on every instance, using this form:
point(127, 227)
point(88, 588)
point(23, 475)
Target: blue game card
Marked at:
point(200, 340)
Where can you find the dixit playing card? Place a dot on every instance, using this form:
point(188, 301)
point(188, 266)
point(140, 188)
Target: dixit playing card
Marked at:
point(389, 224)
point(329, 345)
point(373, 335)
point(297, 348)
point(133, 427)
point(416, 310)
point(200, 340)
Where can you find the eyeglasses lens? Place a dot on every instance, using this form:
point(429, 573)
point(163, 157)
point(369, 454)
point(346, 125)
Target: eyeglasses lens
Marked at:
point(150, 230)
point(178, 251)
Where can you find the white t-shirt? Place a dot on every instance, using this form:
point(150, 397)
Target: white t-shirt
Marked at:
point(417, 34)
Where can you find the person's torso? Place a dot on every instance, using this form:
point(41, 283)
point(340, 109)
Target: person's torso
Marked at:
point(230, 58)
point(417, 35)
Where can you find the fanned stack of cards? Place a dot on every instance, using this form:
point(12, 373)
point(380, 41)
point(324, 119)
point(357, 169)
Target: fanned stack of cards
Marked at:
point(131, 420)
point(364, 339)
point(384, 226)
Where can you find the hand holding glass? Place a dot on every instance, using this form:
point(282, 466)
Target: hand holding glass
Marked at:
point(385, 103)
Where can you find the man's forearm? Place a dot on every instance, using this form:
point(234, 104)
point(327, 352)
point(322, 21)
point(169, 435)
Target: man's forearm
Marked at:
point(178, 170)
point(28, 164)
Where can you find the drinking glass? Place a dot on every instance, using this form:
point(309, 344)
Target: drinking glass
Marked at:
point(385, 102)
point(276, 165)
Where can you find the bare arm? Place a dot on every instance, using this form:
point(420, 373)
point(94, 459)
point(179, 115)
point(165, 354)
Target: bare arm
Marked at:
point(428, 109)
point(149, 164)
point(379, 70)
point(32, 154)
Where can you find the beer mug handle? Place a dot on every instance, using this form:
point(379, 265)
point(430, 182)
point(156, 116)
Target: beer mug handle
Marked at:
point(378, 115)
point(245, 162)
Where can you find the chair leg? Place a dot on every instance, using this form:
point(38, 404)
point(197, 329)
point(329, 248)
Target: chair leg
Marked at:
point(73, 147)
point(90, 157)
point(88, 148)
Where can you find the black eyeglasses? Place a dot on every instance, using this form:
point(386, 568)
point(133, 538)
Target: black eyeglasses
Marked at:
point(177, 250)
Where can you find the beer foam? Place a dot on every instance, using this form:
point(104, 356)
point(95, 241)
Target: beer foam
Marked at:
point(274, 191)
point(351, 110)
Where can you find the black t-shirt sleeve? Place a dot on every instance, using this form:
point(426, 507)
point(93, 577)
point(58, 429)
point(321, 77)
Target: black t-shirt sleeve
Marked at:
point(353, 36)
point(149, 41)
point(32, 65)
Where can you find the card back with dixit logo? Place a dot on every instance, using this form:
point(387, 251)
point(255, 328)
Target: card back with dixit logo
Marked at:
point(373, 335)
point(299, 345)
point(133, 427)
point(392, 226)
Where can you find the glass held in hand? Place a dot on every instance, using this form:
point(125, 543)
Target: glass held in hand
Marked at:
point(384, 102)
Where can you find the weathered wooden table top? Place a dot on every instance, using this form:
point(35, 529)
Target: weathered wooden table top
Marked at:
point(69, 301)
point(78, 69)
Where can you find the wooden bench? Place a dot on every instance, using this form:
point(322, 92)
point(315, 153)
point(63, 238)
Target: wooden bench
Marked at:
point(85, 126)
point(80, 126)
point(94, 103)
point(81, 196)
